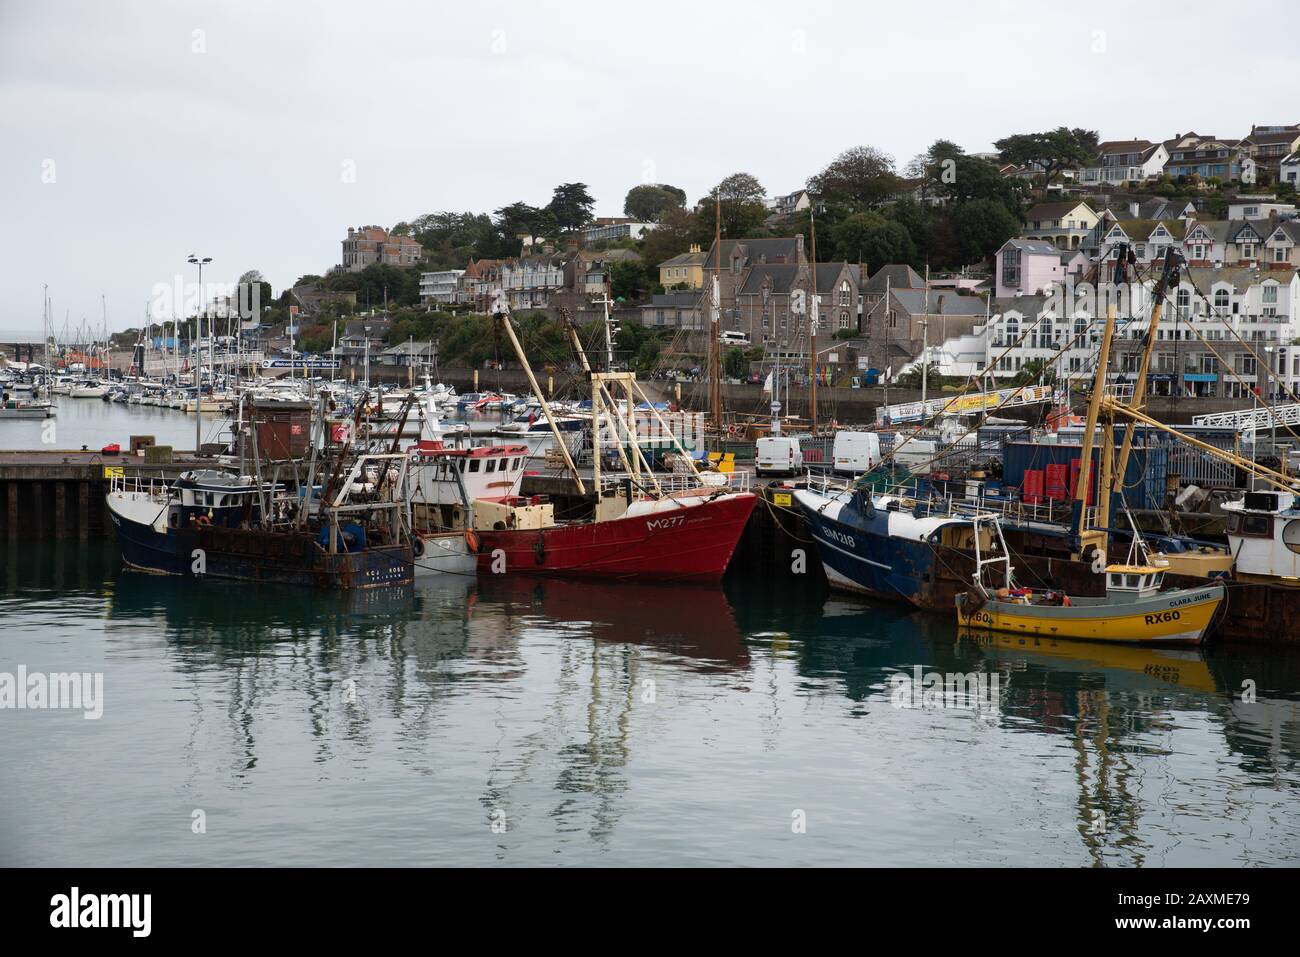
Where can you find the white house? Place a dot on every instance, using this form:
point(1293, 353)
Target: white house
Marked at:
point(1149, 239)
point(441, 287)
point(1126, 161)
point(1289, 171)
point(1259, 207)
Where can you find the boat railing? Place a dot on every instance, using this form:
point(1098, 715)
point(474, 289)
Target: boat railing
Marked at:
point(133, 484)
point(676, 482)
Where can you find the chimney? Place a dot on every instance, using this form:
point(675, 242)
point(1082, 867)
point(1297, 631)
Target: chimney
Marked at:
point(695, 247)
point(571, 244)
point(548, 249)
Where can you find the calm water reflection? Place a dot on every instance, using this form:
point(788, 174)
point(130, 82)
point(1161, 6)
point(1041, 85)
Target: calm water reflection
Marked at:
point(612, 724)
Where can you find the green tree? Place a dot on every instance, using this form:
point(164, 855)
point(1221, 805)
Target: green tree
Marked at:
point(981, 226)
point(571, 206)
point(734, 363)
point(672, 237)
point(739, 187)
point(631, 280)
point(872, 239)
point(521, 219)
point(862, 177)
point(649, 202)
point(1053, 151)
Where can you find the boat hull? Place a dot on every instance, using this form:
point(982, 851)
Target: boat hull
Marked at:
point(1180, 616)
point(285, 558)
point(688, 543)
point(870, 554)
point(443, 554)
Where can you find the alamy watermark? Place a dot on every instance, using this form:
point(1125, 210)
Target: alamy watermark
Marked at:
point(38, 691)
point(972, 691)
point(223, 300)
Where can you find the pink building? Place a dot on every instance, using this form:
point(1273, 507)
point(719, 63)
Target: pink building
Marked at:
point(1028, 267)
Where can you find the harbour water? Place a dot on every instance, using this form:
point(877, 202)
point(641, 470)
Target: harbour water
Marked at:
point(529, 723)
point(95, 423)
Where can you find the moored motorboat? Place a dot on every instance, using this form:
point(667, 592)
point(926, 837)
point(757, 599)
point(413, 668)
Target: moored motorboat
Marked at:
point(1134, 609)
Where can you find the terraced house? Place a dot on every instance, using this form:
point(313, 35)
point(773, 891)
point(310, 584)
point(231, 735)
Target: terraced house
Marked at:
point(1149, 239)
point(1264, 243)
point(1223, 307)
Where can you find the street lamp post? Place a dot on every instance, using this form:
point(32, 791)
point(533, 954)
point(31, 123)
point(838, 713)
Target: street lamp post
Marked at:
point(198, 379)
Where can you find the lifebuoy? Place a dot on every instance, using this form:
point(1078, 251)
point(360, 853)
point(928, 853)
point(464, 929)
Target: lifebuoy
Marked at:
point(203, 520)
point(471, 539)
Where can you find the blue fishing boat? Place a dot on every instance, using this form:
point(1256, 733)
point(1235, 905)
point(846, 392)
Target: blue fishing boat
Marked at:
point(885, 546)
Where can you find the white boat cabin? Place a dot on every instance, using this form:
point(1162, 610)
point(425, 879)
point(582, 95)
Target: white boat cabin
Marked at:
point(1263, 530)
point(1133, 582)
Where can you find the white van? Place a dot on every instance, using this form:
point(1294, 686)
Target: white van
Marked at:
point(778, 453)
point(733, 338)
point(855, 452)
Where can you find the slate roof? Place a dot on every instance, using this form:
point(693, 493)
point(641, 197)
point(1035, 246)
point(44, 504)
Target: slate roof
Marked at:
point(940, 303)
point(782, 278)
point(1138, 230)
point(1025, 305)
point(1119, 147)
point(1240, 277)
point(1033, 246)
point(900, 276)
point(409, 348)
point(755, 251)
point(686, 259)
point(675, 300)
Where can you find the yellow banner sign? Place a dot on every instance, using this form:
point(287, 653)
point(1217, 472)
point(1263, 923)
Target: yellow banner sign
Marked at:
point(781, 498)
point(113, 471)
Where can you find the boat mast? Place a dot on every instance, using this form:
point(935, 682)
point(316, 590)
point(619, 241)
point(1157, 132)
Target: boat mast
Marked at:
point(812, 321)
point(715, 317)
point(1077, 528)
point(502, 317)
point(1168, 277)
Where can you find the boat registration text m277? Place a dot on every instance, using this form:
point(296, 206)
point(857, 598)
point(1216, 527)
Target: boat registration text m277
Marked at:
point(672, 521)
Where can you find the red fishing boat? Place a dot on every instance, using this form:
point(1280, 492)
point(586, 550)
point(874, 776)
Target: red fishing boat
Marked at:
point(686, 537)
point(633, 525)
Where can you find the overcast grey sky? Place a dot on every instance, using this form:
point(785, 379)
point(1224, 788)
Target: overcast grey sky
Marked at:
point(129, 140)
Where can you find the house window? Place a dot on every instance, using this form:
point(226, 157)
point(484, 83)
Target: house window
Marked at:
point(1270, 293)
point(1221, 299)
point(844, 319)
point(891, 319)
point(1279, 254)
point(1011, 267)
point(1247, 250)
